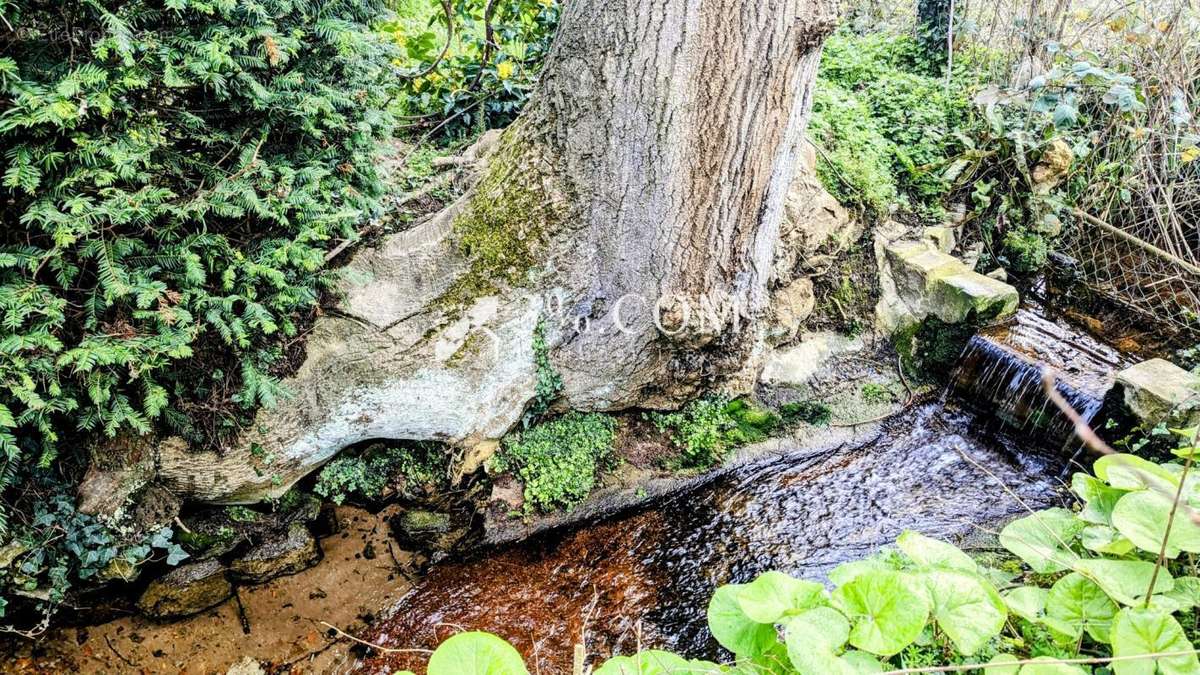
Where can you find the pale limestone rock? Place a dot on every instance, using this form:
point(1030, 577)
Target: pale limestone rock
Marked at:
point(1159, 391)
point(814, 222)
point(918, 281)
point(791, 306)
point(796, 365)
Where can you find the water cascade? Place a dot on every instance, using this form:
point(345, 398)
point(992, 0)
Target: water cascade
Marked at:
point(1000, 374)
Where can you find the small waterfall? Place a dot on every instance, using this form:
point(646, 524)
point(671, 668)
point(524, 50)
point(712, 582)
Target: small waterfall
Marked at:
point(1000, 374)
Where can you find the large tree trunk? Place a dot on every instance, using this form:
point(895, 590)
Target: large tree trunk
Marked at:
point(651, 165)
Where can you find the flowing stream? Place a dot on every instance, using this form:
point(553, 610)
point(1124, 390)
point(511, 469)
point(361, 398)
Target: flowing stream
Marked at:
point(645, 578)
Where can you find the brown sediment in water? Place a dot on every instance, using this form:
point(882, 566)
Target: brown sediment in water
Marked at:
point(592, 587)
point(644, 580)
point(355, 580)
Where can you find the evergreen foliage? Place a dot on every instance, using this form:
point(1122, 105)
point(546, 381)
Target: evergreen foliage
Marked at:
point(173, 174)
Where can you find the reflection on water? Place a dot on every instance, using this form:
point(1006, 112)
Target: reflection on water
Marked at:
point(645, 578)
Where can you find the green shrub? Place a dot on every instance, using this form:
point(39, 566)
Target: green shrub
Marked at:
point(55, 548)
point(854, 163)
point(171, 185)
point(475, 86)
point(364, 476)
point(558, 460)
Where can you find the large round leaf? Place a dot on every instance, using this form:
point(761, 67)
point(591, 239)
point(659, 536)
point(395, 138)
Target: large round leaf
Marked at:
point(1077, 604)
point(1149, 631)
point(1027, 602)
point(933, 553)
point(1130, 472)
point(655, 662)
point(887, 611)
point(1098, 497)
point(735, 631)
point(1105, 539)
point(813, 640)
point(1043, 539)
point(1046, 665)
point(967, 609)
point(1125, 581)
point(774, 595)
point(1142, 518)
point(476, 653)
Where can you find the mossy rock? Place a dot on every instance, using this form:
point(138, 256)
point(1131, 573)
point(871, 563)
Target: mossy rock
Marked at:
point(186, 590)
point(290, 552)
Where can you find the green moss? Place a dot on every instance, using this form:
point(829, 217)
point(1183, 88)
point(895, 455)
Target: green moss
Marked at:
point(930, 349)
point(504, 227)
point(815, 413)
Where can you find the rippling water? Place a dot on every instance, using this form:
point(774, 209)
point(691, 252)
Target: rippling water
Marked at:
point(645, 578)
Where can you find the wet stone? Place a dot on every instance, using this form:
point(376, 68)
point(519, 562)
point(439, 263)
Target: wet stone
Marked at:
point(285, 553)
point(186, 590)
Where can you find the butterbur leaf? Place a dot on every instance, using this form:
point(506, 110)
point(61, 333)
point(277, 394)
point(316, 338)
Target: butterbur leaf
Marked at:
point(1046, 665)
point(655, 662)
point(1186, 592)
point(734, 630)
point(849, 571)
point(933, 553)
point(1142, 518)
point(886, 609)
point(967, 609)
point(1000, 668)
point(862, 662)
point(1130, 472)
point(1077, 604)
point(1149, 631)
point(813, 639)
point(1105, 539)
point(1098, 497)
point(1027, 602)
point(1125, 581)
point(773, 595)
point(1042, 539)
point(476, 653)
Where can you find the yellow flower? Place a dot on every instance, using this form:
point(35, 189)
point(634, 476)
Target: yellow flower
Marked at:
point(504, 69)
point(1189, 154)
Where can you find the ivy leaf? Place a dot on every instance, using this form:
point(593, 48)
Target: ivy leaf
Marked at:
point(887, 611)
point(1041, 539)
point(476, 653)
point(1125, 581)
point(933, 553)
point(967, 609)
point(1149, 631)
point(774, 595)
point(1077, 604)
point(734, 630)
point(1142, 517)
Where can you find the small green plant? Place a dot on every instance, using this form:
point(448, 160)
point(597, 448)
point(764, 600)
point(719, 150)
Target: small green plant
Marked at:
point(877, 394)
point(558, 460)
point(549, 382)
point(706, 429)
point(815, 413)
point(1025, 251)
point(364, 476)
point(60, 548)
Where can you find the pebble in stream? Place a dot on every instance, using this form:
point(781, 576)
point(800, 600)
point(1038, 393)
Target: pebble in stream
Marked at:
point(645, 579)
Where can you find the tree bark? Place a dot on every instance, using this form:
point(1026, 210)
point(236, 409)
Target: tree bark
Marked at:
point(631, 212)
point(675, 127)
